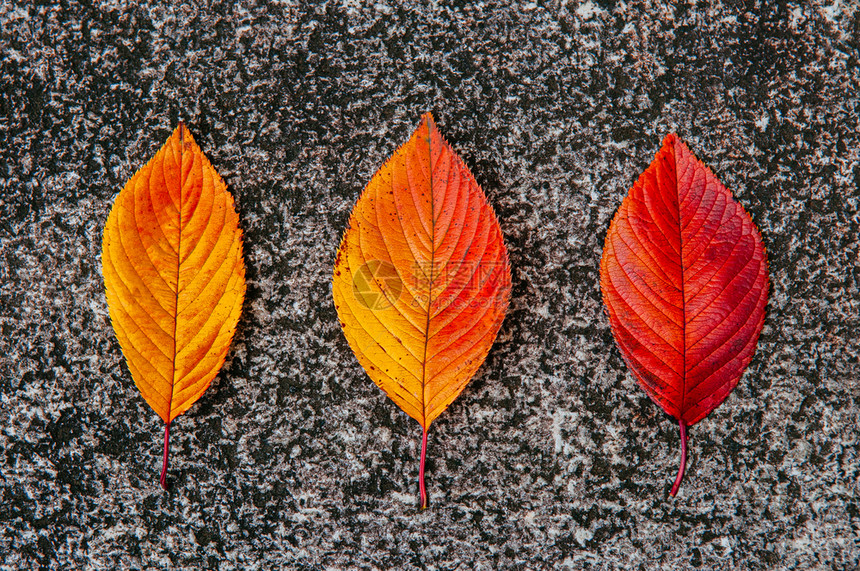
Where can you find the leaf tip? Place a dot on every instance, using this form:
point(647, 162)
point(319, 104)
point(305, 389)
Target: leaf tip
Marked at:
point(671, 139)
point(427, 117)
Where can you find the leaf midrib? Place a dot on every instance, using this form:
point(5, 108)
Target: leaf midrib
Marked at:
point(430, 280)
point(682, 409)
point(178, 266)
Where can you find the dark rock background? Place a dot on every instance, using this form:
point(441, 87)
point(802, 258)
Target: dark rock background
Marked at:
point(552, 457)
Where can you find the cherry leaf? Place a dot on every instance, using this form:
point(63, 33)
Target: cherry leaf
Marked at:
point(422, 281)
point(685, 283)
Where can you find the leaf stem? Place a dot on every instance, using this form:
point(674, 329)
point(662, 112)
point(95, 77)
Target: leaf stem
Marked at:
point(163, 479)
point(680, 476)
point(421, 470)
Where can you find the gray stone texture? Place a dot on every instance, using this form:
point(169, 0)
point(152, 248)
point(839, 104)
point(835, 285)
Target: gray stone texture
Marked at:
point(552, 457)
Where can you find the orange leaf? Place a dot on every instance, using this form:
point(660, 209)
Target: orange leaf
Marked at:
point(422, 281)
point(684, 280)
point(174, 275)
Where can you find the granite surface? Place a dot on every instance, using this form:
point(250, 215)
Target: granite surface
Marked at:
point(552, 458)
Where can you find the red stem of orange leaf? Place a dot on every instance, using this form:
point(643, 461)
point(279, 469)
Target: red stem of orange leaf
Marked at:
point(163, 479)
point(680, 476)
point(421, 470)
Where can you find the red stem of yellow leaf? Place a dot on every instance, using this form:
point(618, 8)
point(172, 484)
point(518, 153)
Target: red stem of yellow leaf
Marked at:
point(163, 479)
point(680, 476)
point(421, 470)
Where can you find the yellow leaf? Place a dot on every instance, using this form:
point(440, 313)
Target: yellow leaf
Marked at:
point(174, 275)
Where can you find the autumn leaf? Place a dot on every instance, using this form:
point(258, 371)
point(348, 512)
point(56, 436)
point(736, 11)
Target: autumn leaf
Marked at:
point(422, 281)
point(684, 279)
point(174, 275)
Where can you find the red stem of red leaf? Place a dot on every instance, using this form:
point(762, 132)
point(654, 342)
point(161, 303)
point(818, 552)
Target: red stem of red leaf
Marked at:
point(166, 450)
point(680, 476)
point(421, 470)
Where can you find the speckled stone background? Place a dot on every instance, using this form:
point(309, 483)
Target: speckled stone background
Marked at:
point(552, 457)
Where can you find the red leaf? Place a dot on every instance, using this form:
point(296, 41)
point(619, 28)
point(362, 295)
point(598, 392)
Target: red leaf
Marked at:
point(684, 279)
